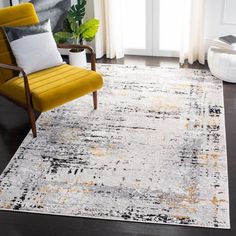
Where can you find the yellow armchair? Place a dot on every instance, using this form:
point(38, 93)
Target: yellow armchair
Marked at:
point(46, 89)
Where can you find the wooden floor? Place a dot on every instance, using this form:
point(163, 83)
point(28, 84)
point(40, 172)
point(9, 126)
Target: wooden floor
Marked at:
point(14, 127)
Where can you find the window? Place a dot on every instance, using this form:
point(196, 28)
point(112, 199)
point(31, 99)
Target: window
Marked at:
point(152, 27)
point(135, 24)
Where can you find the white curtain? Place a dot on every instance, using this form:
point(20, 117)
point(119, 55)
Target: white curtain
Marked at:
point(109, 39)
point(192, 43)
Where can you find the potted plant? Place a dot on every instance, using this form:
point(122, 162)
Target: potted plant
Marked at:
point(77, 31)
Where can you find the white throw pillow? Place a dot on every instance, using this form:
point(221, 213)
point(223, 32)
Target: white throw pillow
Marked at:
point(34, 47)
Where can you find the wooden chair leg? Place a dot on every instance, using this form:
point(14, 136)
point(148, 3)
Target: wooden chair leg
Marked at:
point(32, 121)
point(95, 100)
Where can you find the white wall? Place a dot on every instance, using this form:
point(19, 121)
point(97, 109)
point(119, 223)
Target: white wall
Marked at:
point(4, 3)
point(215, 26)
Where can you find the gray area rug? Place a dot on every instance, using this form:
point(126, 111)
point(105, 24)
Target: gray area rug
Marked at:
point(154, 152)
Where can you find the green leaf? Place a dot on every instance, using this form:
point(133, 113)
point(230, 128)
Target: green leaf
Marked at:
point(73, 25)
point(89, 29)
point(66, 25)
point(62, 37)
point(77, 11)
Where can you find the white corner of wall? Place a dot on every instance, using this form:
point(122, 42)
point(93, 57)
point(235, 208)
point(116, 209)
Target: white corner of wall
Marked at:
point(216, 17)
point(228, 15)
point(4, 3)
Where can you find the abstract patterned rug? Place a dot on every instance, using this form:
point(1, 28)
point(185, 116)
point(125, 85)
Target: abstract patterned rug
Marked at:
point(154, 152)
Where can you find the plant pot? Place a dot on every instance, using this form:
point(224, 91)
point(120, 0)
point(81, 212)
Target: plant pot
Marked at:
point(78, 58)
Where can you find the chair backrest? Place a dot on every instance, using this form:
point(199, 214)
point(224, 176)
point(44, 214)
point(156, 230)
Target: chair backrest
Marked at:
point(19, 15)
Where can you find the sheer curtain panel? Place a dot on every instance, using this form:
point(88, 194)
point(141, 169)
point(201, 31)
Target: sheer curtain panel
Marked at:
point(109, 39)
point(192, 43)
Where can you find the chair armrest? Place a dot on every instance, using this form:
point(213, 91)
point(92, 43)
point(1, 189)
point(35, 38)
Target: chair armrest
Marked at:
point(11, 67)
point(26, 82)
point(73, 46)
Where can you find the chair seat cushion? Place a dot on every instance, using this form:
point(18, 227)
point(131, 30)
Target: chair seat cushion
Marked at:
point(53, 87)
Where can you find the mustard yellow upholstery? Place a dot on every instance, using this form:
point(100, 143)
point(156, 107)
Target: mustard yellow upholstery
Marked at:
point(49, 88)
point(19, 15)
point(53, 87)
